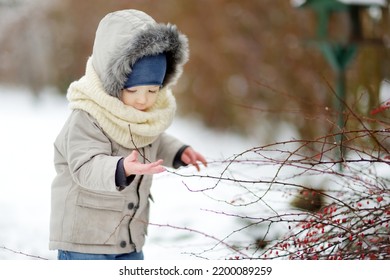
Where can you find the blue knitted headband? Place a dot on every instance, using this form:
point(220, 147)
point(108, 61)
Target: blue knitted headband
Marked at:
point(148, 70)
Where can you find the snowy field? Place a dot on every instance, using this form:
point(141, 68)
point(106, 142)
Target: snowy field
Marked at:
point(29, 127)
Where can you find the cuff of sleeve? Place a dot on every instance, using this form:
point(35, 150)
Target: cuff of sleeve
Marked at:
point(121, 180)
point(177, 162)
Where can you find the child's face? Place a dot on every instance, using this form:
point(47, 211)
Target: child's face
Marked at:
point(140, 97)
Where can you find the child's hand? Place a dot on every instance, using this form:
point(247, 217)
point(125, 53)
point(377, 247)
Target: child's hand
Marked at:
point(189, 156)
point(134, 167)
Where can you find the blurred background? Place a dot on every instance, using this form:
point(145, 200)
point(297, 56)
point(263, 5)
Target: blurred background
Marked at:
point(253, 67)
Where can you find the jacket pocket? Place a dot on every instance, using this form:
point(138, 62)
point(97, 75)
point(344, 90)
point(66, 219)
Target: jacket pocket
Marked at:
point(98, 218)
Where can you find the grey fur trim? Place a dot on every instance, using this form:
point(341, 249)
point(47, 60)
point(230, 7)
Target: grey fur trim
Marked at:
point(157, 38)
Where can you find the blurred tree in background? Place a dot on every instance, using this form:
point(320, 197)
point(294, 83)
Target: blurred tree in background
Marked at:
point(251, 69)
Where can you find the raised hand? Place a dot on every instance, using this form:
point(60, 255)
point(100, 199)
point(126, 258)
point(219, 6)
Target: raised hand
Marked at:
point(134, 167)
point(190, 156)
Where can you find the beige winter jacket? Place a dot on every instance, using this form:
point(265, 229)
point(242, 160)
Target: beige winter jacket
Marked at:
point(89, 213)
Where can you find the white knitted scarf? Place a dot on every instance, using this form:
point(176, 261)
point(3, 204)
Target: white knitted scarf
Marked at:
point(126, 125)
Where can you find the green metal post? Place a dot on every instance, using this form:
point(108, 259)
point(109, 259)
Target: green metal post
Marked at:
point(339, 56)
point(339, 106)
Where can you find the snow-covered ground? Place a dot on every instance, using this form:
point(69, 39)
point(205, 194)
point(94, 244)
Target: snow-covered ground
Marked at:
point(29, 127)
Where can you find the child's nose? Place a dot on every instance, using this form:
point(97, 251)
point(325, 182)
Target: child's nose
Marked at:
point(141, 98)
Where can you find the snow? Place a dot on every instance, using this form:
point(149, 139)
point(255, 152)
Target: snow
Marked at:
point(29, 127)
point(384, 92)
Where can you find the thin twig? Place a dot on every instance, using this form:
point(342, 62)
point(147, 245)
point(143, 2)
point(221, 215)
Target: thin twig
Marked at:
point(21, 253)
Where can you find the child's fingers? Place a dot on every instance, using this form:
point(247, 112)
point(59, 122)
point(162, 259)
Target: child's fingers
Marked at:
point(154, 167)
point(190, 158)
point(186, 159)
point(202, 159)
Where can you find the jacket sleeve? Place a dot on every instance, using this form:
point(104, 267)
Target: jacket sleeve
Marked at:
point(89, 154)
point(121, 180)
point(177, 162)
point(170, 150)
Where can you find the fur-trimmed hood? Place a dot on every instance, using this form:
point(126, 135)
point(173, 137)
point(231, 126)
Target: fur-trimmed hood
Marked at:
point(125, 36)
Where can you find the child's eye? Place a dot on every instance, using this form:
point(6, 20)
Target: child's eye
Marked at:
point(153, 91)
point(131, 90)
